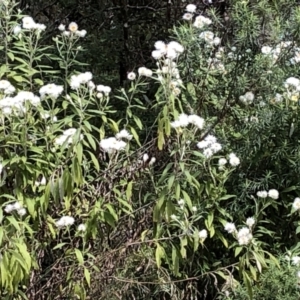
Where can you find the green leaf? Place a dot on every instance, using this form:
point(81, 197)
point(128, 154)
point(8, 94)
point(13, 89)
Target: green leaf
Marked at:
point(159, 254)
point(135, 135)
point(79, 256)
point(87, 276)
point(129, 190)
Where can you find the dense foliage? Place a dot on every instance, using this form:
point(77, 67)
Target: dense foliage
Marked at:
point(182, 183)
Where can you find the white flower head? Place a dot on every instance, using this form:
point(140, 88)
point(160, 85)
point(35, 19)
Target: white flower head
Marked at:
point(181, 203)
point(28, 23)
point(197, 121)
point(203, 234)
point(230, 227)
point(157, 54)
point(123, 134)
point(187, 16)
point(131, 76)
point(81, 227)
point(191, 8)
point(81, 33)
point(61, 27)
point(222, 162)
point(145, 157)
point(73, 27)
point(17, 29)
point(296, 260)
point(250, 222)
point(233, 160)
point(292, 82)
point(65, 221)
point(152, 161)
point(194, 208)
point(296, 204)
point(262, 194)
point(274, 194)
point(9, 208)
point(208, 152)
point(21, 212)
point(215, 147)
point(249, 97)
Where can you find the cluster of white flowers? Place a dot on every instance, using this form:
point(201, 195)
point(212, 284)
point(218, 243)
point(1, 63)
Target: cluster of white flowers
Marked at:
point(143, 71)
point(201, 22)
point(113, 144)
point(52, 90)
point(171, 50)
point(82, 78)
point(66, 137)
point(65, 221)
point(296, 204)
point(210, 146)
point(292, 83)
point(247, 98)
point(184, 120)
point(103, 89)
point(73, 30)
point(6, 87)
point(210, 38)
point(123, 134)
point(274, 52)
point(28, 23)
point(244, 235)
point(274, 194)
point(17, 206)
point(16, 104)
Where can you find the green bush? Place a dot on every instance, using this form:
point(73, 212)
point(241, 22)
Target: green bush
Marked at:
point(184, 184)
point(274, 284)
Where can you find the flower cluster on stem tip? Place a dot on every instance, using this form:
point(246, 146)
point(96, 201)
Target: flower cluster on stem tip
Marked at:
point(17, 206)
point(244, 235)
point(272, 193)
point(73, 30)
point(171, 50)
point(210, 146)
point(247, 98)
point(200, 21)
point(16, 104)
point(28, 23)
point(116, 143)
point(184, 120)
